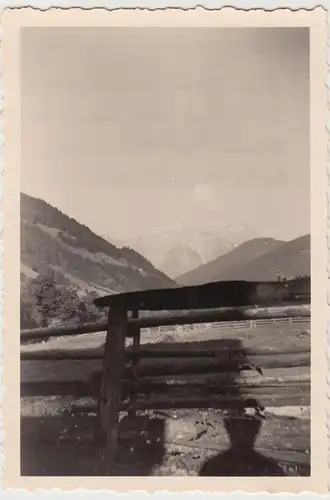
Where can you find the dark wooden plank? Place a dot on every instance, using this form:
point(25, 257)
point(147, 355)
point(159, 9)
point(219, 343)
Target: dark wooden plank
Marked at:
point(190, 362)
point(217, 390)
point(211, 295)
point(113, 367)
point(97, 353)
point(135, 332)
point(62, 331)
point(278, 376)
point(77, 389)
point(158, 351)
point(222, 364)
point(224, 314)
point(218, 366)
point(59, 354)
point(289, 385)
point(215, 402)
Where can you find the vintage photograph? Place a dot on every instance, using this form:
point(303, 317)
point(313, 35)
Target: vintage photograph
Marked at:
point(165, 251)
point(149, 161)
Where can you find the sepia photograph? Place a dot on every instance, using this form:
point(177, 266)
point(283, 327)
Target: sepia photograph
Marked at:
point(165, 248)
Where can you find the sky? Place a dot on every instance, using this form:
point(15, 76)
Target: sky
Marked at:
point(127, 129)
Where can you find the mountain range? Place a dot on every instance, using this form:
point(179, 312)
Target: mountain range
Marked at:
point(179, 249)
point(260, 259)
point(58, 247)
point(65, 265)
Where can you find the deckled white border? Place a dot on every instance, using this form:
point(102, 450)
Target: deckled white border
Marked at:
point(1, 261)
point(151, 5)
point(267, 5)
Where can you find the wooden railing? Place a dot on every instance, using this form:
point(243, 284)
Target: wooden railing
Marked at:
point(181, 376)
point(200, 365)
point(226, 316)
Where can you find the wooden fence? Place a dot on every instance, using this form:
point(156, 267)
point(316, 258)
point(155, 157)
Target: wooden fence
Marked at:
point(216, 318)
point(230, 325)
point(158, 377)
point(179, 376)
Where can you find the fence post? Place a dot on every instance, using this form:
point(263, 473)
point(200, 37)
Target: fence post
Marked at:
point(113, 367)
point(136, 333)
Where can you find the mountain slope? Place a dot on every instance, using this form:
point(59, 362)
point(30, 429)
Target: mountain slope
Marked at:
point(58, 247)
point(260, 259)
point(289, 260)
point(180, 258)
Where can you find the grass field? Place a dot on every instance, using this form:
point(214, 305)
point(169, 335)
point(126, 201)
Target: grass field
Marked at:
point(55, 441)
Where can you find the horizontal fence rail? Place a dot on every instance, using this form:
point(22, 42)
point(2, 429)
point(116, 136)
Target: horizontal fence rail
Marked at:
point(152, 393)
point(188, 378)
point(203, 352)
point(232, 316)
point(211, 295)
point(159, 384)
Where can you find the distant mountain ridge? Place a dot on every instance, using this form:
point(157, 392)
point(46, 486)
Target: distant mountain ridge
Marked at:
point(178, 258)
point(179, 249)
point(260, 259)
point(59, 247)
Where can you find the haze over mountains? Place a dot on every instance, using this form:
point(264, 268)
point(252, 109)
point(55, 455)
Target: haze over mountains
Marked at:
point(57, 246)
point(179, 249)
point(192, 256)
point(260, 259)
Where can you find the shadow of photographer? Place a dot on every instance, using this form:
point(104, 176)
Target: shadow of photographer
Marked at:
point(242, 459)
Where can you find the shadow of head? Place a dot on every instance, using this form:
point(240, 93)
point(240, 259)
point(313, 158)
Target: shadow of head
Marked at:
point(243, 424)
point(242, 432)
point(241, 459)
